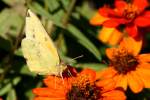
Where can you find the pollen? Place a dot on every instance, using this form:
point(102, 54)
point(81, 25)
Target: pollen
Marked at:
point(82, 81)
point(123, 61)
point(83, 89)
point(130, 12)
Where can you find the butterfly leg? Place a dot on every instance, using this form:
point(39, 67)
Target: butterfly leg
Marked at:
point(55, 82)
point(69, 73)
point(62, 77)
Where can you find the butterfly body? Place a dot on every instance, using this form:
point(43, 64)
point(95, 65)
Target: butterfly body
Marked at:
point(39, 50)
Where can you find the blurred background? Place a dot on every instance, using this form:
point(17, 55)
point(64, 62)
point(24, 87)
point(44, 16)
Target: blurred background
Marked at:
point(71, 32)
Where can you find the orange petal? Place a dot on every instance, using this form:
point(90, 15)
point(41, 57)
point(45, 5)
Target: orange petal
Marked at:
point(115, 37)
point(105, 34)
point(133, 46)
point(97, 19)
point(120, 6)
point(142, 21)
point(54, 82)
point(122, 82)
point(144, 70)
point(49, 92)
point(114, 95)
point(110, 52)
point(106, 73)
point(41, 98)
point(42, 91)
point(142, 4)
point(135, 83)
point(113, 98)
point(90, 73)
point(144, 66)
point(145, 76)
point(50, 80)
point(111, 23)
point(106, 84)
point(48, 98)
point(132, 30)
point(144, 57)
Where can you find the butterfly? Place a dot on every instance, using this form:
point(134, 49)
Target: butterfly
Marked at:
point(39, 50)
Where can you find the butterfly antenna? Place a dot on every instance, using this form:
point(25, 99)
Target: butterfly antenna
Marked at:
point(62, 77)
point(104, 62)
point(78, 57)
point(69, 73)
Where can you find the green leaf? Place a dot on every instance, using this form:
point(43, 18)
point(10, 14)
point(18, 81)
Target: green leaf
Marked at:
point(61, 44)
point(37, 8)
point(16, 80)
point(11, 95)
point(16, 26)
point(41, 11)
point(57, 17)
point(5, 44)
point(94, 66)
point(14, 2)
point(9, 26)
point(5, 89)
point(52, 4)
point(84, 41)
point(1, 70)
point(65, 3)
point(9, 86)
point(18, 52)
point(25, 70)
point(30, 95)
point(85, 10)
point(5, 16)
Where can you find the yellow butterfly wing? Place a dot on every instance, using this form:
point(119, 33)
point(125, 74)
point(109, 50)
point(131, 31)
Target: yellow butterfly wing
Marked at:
point(38, 48)
point(35, 29)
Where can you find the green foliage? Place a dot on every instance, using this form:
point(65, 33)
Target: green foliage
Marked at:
point(71, 33)
point(16, 81)
point(84, 41)
point(11, 95)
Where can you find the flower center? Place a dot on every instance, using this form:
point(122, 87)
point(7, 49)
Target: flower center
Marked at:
point(123, 61)
point(130, 12)
point(83, 89)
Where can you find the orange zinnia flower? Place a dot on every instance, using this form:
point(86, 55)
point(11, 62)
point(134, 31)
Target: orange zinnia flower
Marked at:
point(110, 36)
point(127, 68)
point(132, 15)
point(81, 87)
